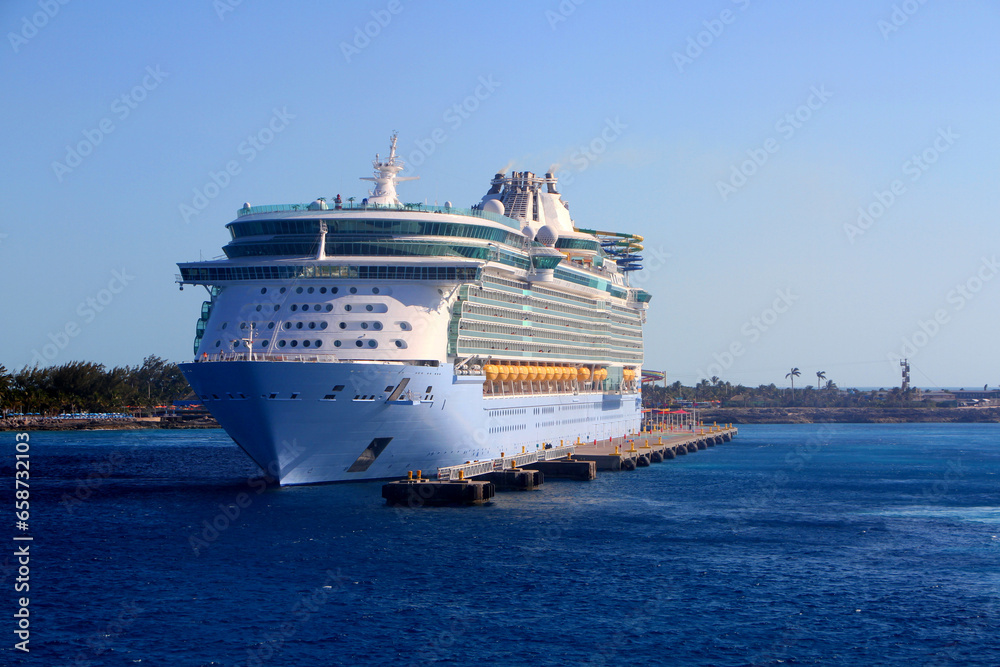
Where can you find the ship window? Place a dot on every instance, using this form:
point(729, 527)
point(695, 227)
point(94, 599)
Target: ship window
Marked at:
point(364, 325)
point(277, 308)
point(339, 387)
point(295, 343)
point(372, 343)
point(311, 290)
point(389, 388)
point(317, 307)
point(294, 307)
point(298, 325)
point(323, 325)
point(400, 343)
point(312, 325)
point(322, 290)
point(270, 325)
point(329, 308)
point(218, 343)
point(369, 308)
point(359, 343)
point(377, 326)
point(258, 308)
point(281, 343)
point(281, 291)
point(288, 325)
point(224, 324)
point(354, 290)
point(347, 307)
point(334, 290)
point(263, 290)
point(336, 343)
point(374, 290)
point(318, 343)
point(263, 343)
point(243, 325)
point(343, 325)
point(305, 343)
point(405, 326)
point(298, 290)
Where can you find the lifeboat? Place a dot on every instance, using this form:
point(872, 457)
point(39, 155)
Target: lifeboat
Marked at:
point(557, 373)
point(550, 372)
point(492, 372)
point(583, 374)
point(522, 373)
point(532, 373)
point(504, 372)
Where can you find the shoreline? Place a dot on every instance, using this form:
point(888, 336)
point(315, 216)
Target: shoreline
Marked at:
point(850, 415)
point(142, 424)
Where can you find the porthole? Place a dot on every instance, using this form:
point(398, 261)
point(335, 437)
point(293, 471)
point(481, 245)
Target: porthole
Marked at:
point(298, 290)
point(270, 325)
point(336, 343)
point(322, 290)
point(343, 325)
point(305, 343)
point(281, 343)
point(295, 343)
point(277, 308)
point(347, 307)
point(263, 343)
point(311, 290)
point(319, 343)
point(259, 307)
point(399, 343)
point(298, 325)
point(263, 290)
point(225, 324)
point(288, 325)
point(243, 325)
point(218, 343)
point(354, 290)
point(369, 308)
point(281, 291)
point(372, 343)
point(405, 326)
point(317, 307)
point(322, 325)
point(377, 326)
point(359, 343)
point(364, 325)
point(294, 307)
point(334, 290)
point(329, 307)
point(374, 290)
point(312, 325)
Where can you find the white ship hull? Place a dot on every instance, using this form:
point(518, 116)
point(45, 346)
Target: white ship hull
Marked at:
point(360, 434)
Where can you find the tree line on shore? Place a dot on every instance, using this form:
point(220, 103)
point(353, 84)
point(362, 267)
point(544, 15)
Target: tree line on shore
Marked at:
point(772, 396)
point(84, 386)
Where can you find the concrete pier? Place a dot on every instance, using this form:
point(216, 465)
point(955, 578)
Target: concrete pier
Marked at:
point(420, 492)
point(566, 469)
point(515, 479)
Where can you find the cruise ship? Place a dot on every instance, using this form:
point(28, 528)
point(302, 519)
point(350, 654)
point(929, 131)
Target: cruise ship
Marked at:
point(356, 339)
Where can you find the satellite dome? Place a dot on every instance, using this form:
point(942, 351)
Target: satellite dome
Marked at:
point(493, 206)
point(529, 232)
point(547, 235)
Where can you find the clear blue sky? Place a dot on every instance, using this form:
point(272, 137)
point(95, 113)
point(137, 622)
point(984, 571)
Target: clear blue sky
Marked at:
point(163, 95)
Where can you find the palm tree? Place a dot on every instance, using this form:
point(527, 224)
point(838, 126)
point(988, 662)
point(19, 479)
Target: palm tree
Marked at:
point(820, 376)
point(794, 373)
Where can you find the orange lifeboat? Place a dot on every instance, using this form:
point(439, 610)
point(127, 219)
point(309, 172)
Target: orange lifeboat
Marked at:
point(492, 372)
point(557, 373)
point(532, 373)
point(522, 373)
point(550, 372)
point(583, 374)
point(504, 372)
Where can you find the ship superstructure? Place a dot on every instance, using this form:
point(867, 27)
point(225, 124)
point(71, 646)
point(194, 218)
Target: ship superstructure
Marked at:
point(361, 340)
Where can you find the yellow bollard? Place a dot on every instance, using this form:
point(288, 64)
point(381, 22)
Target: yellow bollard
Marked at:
point(418, 474)
point(616, 449)
point(461, 475)
point(522, 449)
point(409, 474)
point(659, 440)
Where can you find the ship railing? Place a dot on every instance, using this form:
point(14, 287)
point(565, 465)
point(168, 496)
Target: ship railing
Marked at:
point(256, 356)
point(546, 452)
point(424, 208)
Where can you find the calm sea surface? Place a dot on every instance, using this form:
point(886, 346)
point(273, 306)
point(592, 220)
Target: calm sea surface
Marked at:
point(833, 545)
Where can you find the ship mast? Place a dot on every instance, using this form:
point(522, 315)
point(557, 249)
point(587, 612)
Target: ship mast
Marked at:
point(386, 177)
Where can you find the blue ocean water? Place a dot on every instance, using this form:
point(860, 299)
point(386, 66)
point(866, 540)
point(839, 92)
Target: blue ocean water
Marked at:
point(804, 544)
